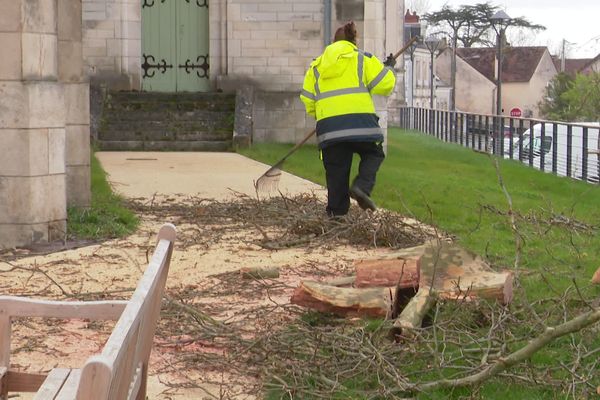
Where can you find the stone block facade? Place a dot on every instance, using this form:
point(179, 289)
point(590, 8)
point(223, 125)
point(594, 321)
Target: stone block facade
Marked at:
point(112, 44)
point(32, 125)
point(264, 43)
point(75, 82)
point(280, 117)
point(34, 117)
point(271, 43)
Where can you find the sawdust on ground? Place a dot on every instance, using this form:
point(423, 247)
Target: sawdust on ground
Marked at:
point(112, 269)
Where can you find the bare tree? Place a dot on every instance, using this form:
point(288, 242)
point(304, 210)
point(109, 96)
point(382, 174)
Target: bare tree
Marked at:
point(469, 25)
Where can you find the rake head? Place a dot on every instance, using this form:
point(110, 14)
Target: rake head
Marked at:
point(269, 181)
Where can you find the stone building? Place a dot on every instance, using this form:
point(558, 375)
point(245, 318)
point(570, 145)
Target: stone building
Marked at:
point(264, 45)
point(417, 68)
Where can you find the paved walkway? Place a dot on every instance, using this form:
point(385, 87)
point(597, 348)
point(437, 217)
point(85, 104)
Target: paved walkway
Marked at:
point(219, 176)
point(210, 175)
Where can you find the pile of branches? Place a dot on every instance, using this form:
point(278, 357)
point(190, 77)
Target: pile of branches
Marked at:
point(282, 349)
point(285, 222)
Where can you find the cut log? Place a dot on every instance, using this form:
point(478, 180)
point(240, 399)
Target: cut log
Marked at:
point(596, 277)
point(415, 311)
point(374, 302)
point(403, 273)
point(456, 273)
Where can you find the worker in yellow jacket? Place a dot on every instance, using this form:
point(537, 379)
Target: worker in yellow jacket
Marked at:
point(337, 92)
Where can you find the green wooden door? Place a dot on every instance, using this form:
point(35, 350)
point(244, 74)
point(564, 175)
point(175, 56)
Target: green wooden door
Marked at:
point(175, 45)
point(192, 46)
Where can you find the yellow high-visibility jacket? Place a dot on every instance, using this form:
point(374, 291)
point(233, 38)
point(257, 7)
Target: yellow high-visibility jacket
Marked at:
point(337, 91)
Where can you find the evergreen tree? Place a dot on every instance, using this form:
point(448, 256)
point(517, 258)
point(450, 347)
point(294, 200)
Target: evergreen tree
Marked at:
point(583, 98)
point(554, 105)
point(572, 99)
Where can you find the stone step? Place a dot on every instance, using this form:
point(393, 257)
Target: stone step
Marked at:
point(140, 101)
point(168, 115)
point(132, 96)
point(167, 121)
point(202, 125)
point(143, 145)
point(162, 134)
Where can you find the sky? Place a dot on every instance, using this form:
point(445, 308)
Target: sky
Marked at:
point(576, 21)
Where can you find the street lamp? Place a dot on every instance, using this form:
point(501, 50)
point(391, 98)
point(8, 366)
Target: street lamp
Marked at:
point(411, 51)
point(432, 44)
point(500, 22)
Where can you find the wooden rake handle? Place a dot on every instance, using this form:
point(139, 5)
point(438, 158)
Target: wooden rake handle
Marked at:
point(406, 46)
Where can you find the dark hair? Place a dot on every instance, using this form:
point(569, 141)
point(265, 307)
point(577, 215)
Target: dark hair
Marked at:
point(346, 32)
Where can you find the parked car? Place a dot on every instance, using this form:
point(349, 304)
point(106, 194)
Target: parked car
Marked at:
point(543, 147)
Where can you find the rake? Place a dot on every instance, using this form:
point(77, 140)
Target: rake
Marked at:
point(269, 181)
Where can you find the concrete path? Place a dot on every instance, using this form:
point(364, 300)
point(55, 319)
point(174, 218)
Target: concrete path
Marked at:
point(210, 175)
point(219, 176)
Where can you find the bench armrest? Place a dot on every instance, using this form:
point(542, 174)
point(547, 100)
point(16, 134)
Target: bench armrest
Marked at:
point(93, 310)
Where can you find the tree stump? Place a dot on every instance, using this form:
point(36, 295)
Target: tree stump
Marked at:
point(450, 272)
point(403, 273)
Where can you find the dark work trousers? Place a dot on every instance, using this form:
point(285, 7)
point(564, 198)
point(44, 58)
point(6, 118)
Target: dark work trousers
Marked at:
point(337, 160)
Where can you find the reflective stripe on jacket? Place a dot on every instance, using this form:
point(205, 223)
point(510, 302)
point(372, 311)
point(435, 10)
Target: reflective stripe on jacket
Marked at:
point(337, 91)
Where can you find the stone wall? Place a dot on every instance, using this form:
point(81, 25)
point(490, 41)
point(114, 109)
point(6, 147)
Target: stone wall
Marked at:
point(112, 45)
point(280, 117)
point(32, 125)
point(77, 102)
point(265, 44)
point(270, 44)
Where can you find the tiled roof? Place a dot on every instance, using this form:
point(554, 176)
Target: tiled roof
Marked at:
point(518, 63)
point(589, 64)
point(572, 65)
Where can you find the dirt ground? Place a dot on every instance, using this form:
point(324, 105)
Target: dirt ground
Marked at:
point(204, 267)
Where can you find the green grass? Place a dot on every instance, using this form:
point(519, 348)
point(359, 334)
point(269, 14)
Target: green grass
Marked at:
point(107, 216)
point(458, 191)
point(455, 188)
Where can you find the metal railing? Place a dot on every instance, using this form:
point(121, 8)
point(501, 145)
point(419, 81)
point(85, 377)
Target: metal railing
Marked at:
point(561, 148)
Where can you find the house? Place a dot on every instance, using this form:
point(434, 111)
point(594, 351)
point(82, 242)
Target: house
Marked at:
point(417, 61)
point(592, 66)
point(525, 73)
point(570, 66)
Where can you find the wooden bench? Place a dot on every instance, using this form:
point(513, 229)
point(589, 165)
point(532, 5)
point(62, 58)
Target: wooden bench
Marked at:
point(120, 371)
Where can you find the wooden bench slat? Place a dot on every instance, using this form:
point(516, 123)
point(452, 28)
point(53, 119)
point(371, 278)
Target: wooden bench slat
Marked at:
point(137, 383)
point(95, 310)
point(69, 389)
point(24, 381)
point(53, 383)
point(3, 388)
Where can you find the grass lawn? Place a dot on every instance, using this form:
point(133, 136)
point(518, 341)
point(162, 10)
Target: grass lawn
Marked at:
point(107, 216)
point(458, 191)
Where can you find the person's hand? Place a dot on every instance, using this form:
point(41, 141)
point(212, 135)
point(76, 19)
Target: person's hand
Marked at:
point(390, 61)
